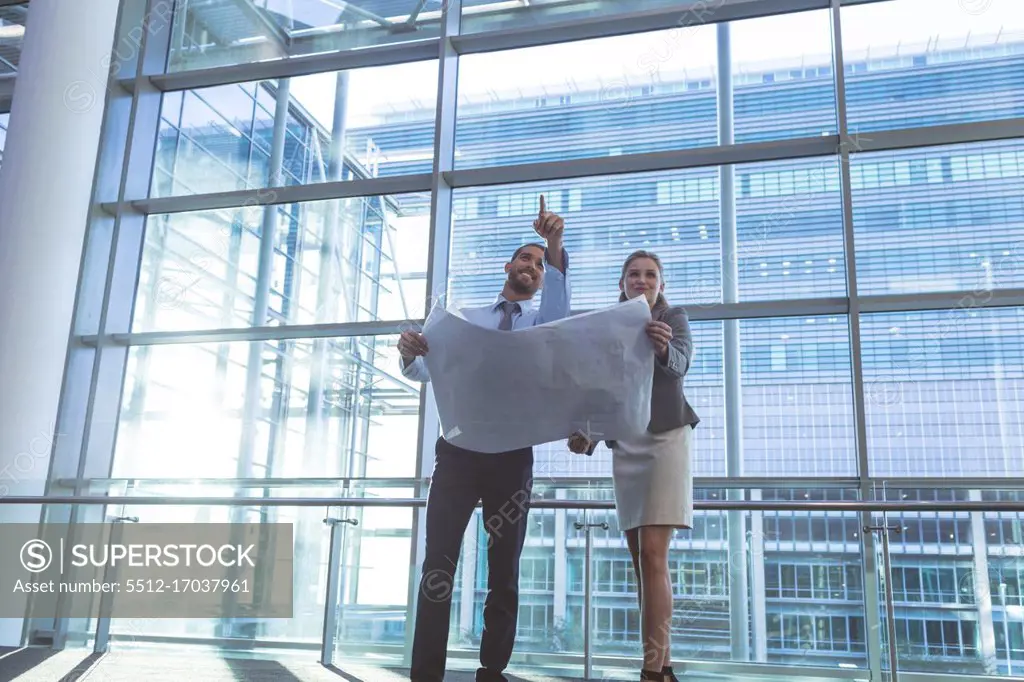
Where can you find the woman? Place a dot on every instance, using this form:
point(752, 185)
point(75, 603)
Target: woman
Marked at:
point(652, 474)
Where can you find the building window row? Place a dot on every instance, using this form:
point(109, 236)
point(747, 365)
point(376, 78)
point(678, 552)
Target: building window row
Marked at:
point(948, 638)
point(882, 174)
point(786, 580)
point(949, 584)
point(800, 632)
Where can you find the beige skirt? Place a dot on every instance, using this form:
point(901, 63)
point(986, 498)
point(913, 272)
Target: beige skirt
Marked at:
point(653, 479)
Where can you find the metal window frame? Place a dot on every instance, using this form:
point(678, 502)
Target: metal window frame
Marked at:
point(438, 270)
point(754, 483)
point(749, 310)
point(837, 146)
point(868, 506)
point(869, 571)
point(690, 13)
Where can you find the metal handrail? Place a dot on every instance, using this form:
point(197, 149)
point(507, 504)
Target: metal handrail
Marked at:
point(547, 480)
point(701, 505)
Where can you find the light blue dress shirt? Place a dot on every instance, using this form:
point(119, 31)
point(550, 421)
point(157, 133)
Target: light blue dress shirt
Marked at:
point(554, 305)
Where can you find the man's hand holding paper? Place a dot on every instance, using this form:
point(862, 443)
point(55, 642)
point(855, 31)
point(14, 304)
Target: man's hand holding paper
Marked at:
point(499, 391)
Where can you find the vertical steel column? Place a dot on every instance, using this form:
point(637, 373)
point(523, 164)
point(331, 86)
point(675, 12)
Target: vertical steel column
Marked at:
point(1006, 630)
point(102, 642)
point(588, 590)
point(561, 560)
point(758, 601)
point(437, 276)
point(330, 290)
point(261, 305)
point(329, 641)
point(890, 616)
point(261, 302)
point(739, 598)
point(847, 145)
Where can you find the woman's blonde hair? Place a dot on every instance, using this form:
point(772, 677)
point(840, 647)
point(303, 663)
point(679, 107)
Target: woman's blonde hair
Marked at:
point(625, 266)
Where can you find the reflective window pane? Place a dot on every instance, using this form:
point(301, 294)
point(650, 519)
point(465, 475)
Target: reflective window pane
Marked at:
point(492, 15)
point(939, 602)
point(306, 416)
point(824, 573)
point(343, 260)
point(641, 93)
point(788, 231)
point(943, 392)
point(222, 138)
point(797, 402)
point(782, 88)
point(940, 219)
point(373, 559)
point(274, 409)
point(371, 612)
point(929, 62)
point(225, 32)
point(546, 624)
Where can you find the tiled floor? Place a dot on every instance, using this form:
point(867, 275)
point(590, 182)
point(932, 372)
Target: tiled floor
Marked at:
point(43, 665)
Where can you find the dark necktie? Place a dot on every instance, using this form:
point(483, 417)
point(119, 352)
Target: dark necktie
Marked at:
point(508, 308)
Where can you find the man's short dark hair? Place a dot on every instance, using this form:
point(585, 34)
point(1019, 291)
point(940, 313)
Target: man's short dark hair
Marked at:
point(524, 246)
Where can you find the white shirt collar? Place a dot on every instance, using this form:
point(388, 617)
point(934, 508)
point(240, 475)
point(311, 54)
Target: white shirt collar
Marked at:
point(524, 306)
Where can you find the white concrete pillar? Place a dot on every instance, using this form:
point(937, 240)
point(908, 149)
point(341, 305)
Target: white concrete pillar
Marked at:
point(45, 190)
point(982, 590)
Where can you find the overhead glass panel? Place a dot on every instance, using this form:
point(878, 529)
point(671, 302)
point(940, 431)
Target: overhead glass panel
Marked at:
point(12, 35)
point(209, 33)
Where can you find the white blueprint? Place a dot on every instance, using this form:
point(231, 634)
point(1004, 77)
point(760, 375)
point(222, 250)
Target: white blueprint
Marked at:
point(500, 390)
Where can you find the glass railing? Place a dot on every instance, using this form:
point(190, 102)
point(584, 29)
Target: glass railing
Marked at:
point(811, 583)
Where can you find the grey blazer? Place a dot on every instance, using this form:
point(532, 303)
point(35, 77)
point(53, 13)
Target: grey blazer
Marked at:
point(669, 407)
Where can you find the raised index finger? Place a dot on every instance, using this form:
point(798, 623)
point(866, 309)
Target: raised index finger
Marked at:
point(543, 210)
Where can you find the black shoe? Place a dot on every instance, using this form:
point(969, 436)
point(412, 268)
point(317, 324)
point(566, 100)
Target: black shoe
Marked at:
point(485, 675)
point(668, 675)
point(652, 676)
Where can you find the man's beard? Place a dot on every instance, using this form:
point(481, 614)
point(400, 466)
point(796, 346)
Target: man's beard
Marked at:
point(519, 287)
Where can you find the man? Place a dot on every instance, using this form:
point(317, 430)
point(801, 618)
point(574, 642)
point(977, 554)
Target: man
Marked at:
point(503, 481)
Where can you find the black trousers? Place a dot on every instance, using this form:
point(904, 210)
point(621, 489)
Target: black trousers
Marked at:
point(462, 478)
